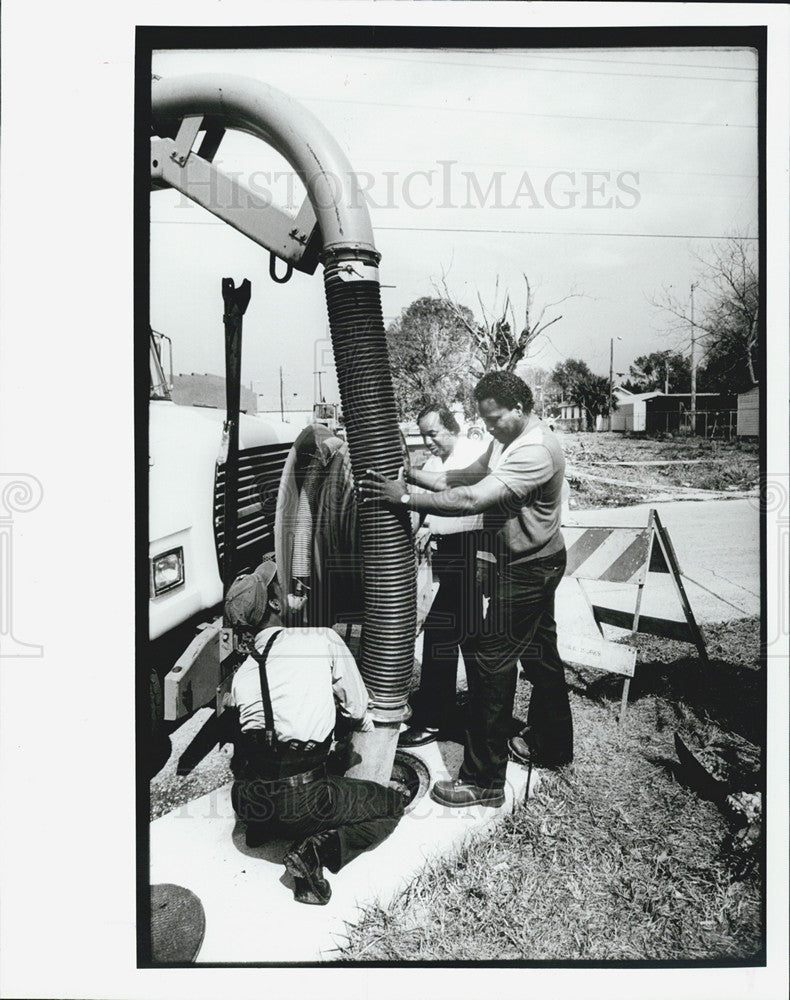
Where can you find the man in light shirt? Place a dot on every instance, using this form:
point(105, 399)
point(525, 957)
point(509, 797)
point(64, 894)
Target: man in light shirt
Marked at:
point(287, 693)
point(454, 621)
point(517, 485)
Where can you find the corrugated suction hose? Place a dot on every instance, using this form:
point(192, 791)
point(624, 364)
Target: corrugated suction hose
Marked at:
point(389, 572)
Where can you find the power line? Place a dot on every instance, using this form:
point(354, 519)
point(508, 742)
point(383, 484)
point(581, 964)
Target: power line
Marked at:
point(548, 232)
point(462, 163)
point(520, 114)
point(505, 232)
point(537, 166)
point(552, 69)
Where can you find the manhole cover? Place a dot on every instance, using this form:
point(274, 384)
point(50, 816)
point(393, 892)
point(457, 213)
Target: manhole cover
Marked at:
point(178, 924)
point(410, 776)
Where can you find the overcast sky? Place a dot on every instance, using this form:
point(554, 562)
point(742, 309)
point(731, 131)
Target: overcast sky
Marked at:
point(594, 171)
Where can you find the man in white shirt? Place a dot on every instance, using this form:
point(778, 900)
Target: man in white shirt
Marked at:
point(454, 621)
point(287, 692)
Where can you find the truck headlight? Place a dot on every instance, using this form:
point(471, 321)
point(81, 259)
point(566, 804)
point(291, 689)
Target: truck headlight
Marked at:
point(167, 571)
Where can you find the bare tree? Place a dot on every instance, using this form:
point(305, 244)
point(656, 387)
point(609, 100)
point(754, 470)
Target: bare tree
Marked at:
point(725, 320)
point(501, 341)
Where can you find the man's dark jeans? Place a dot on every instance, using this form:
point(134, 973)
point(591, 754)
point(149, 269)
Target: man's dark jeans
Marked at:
point(362, 812)
point(519, 626)
point(453, 623)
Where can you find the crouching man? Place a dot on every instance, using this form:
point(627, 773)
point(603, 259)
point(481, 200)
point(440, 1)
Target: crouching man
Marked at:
point(287, 692)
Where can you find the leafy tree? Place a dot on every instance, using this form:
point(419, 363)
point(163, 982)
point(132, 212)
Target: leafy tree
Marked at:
point(439, 350)
point(568, 375)
point(583, 388)
point(653, 371)
point(430, 349)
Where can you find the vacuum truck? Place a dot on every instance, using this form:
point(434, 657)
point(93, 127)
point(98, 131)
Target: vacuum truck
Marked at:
point(189, 118)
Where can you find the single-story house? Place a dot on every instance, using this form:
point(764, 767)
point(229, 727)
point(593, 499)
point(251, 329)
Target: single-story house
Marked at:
point(631, 411)
point(571, 417)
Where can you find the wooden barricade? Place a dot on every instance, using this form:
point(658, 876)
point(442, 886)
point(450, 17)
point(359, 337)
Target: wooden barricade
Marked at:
point(625, 555)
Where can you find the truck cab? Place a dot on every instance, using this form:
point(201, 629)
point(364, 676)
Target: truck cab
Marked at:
point(186, 462)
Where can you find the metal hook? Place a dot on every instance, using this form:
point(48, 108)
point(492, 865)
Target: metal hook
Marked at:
point(273, 270)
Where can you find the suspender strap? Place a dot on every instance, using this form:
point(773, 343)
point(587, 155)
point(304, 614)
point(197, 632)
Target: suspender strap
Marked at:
point(268, 714)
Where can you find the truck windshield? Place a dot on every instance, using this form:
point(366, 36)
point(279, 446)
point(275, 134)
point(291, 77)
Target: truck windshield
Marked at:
point(159, 388)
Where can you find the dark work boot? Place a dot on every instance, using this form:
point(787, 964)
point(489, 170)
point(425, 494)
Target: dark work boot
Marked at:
point(304, 894)
point(328, 846)
point(418, 736)
point(525, 749)
point(459, 793)
point(304, 863)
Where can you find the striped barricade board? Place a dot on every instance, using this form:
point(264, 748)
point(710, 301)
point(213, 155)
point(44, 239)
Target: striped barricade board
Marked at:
point(616, 555)
point(625, 555)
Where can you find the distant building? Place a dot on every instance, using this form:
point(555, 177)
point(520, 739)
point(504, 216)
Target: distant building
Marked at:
point(209, 390)
point(631, 413)
point(671, 414)
point(572, 417)
point(749, 413)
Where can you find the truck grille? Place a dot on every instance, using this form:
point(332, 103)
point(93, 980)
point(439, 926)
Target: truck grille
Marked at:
point(260, 470)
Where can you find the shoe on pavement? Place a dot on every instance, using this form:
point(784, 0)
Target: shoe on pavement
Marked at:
point(458, 792)
point(413, 737)
point(304, 894)
point(303, 862)
point(522, 753)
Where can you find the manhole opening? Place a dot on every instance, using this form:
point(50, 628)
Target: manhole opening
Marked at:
point(410, 776)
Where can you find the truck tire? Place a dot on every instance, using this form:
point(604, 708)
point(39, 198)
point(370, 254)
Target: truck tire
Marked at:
point(159, 746)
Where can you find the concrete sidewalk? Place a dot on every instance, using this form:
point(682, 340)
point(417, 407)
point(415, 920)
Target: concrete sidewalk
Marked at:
point(251, 916)
point(717, 544)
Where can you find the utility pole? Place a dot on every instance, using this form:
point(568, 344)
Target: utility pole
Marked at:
point(693, 367)
point(666, 380)
point(320, 390)
point(611, 378)
point(282, 408)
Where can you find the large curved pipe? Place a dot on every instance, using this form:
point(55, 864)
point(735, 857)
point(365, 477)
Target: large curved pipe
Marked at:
point(353, 296)
point(251, 106)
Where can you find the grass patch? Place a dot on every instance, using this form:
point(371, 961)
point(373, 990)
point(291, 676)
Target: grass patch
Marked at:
point(613, 858)
point(693, 463)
